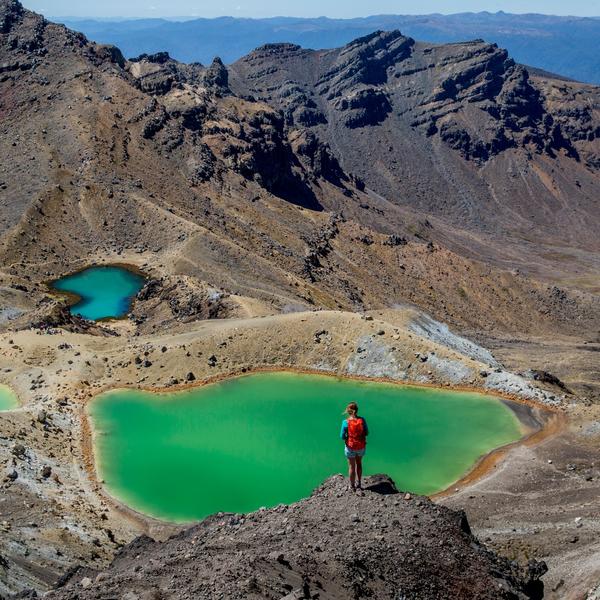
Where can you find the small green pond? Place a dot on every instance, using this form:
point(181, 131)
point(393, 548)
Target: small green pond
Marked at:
point(8, 399)
point(101, 292)
point(268, 438)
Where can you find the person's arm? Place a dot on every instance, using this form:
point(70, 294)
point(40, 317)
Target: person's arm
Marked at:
point(344, 431)
point(366, 427)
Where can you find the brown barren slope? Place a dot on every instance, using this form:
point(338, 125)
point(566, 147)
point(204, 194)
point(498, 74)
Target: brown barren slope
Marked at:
point(388, 176)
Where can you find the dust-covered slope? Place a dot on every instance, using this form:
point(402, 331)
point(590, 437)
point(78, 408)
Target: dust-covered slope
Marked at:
point(333, 546)
point(457, 130)
point(172, 168)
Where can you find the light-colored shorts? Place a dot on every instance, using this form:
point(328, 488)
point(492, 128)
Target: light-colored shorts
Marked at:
point(353, 453)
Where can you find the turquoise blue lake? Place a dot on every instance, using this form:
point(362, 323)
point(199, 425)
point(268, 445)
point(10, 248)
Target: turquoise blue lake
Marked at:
point(102, 292)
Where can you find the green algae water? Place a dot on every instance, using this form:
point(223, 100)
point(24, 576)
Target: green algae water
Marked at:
point(8, 399)
point(267, 438)
point(103, 292)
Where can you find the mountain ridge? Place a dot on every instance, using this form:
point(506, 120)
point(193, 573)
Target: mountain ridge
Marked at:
point(286, 211)
point(553, 43)
point(224, 158)
point(471, 96)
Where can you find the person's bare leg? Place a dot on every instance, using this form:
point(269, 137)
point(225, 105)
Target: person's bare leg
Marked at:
point(352, 471)
point(359, 471)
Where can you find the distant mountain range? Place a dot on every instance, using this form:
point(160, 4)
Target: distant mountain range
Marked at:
point(564, 45)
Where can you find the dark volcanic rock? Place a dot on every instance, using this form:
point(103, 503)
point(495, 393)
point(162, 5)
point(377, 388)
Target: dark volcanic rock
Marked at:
point(368, 106)
point(395, 240)
point(159, 58)
point(180, 299)
point(216, 76)
point(108, 53)
point(334, 545)
point(365, 61)
point(159, 73)
point(318, 157)
point(10, 12)
point(150, 290)
point(420, 111)
point(545, 377)
point(59, 316)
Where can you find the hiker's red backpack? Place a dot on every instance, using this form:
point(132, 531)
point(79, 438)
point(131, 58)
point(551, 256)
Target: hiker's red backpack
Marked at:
point(357, 440)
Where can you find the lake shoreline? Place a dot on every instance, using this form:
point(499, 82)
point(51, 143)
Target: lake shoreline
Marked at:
point(92, 364)
point(74, 298)
point(537, 422)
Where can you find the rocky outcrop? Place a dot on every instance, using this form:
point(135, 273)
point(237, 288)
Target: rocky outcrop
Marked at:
point(299, 106)
point(318, 158)
point(34, 32)
point(367, 106)
point(58, 316)
point(179, 299)
point(318, 248)
point(110, 54)
point(227, 133)
point(158, 74)
point(10, 12)
point(364, 62)
point(335, 544)
point(511, 110)
point(472, 95)
point(217, 77)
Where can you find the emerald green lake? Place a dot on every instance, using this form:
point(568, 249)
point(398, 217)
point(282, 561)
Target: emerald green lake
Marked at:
point(268, 438)
point(8, 399)
point(103, 292)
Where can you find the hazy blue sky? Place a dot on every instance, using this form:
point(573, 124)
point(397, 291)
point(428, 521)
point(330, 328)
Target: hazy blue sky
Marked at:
point(301, 8)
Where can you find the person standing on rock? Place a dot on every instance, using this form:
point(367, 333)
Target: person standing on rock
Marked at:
point(354, 433)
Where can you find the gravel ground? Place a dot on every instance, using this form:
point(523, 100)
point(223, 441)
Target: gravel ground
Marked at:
point(334, 545)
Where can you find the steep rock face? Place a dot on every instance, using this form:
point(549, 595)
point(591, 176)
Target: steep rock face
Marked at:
point(575, 109)
point(296, 79)
point(365, 61)
point(10, 11)
point(173, 300)
point(217, 77)
point(333, 545)
point(157, 73)
point(441, 125)
point(367, 106)
point(517, 114)
point(317, 157)
point(227, 133)
point(385, 72)
point(268, 66)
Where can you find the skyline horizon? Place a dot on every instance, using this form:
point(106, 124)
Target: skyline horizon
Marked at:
point(177, 18)
point(310, 9)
